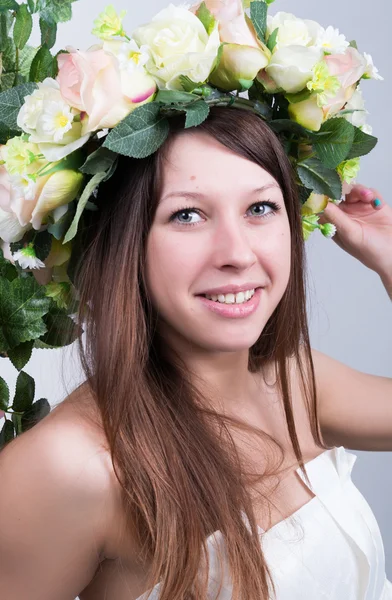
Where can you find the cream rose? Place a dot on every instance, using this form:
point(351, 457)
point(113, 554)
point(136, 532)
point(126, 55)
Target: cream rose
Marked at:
point(291, 67)
point(179, 45)
point(292, 30)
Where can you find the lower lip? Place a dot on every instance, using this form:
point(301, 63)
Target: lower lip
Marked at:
point(233, 311)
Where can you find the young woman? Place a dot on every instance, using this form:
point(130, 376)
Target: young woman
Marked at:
point(204, 455)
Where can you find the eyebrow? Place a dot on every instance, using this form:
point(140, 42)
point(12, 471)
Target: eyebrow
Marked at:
point(198, 195)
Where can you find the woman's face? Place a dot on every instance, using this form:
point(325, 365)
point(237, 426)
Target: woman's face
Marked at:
point(218, 256)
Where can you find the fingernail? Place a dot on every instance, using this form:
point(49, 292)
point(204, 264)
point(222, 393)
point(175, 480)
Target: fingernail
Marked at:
point(377, 203)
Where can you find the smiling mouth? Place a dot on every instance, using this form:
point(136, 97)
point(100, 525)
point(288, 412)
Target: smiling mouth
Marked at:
point(240, 298)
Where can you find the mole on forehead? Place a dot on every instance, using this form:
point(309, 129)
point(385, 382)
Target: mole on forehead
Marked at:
point(193, 177)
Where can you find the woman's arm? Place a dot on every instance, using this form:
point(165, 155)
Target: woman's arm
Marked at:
point(355, 408)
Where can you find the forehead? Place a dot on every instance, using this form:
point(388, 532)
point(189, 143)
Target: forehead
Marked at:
point(196, 159)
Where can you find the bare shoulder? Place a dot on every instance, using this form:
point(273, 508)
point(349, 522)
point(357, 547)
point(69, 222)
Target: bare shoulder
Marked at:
point(57, 496)
point(70, 445)
point(79, 419)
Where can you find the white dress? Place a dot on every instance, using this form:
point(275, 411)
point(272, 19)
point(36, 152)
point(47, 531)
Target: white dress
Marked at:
point(330, 549)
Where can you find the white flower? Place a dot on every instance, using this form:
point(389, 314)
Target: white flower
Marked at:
point(291, 67)
point(179, 45)
point(27, 258)
point(24, 186)
point(356, 103)
point(57, 118)
point(331, 41)
point(10, 228)
point(47, 118)
point(132, 58)
point(366, 128)
point(371, 70)
point(292, 31)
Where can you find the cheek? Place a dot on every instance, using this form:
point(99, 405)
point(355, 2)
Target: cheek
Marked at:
point(171, 265)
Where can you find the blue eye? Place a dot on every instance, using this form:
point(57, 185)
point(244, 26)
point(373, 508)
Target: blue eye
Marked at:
point(260, 209)
point(186, 216)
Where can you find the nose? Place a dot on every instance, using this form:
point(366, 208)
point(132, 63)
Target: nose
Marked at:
point(232, 246)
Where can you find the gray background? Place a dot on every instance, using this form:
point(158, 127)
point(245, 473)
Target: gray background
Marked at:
point(350, 312)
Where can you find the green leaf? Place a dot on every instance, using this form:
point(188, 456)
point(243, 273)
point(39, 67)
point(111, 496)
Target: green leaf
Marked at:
point(22, 305)
point(258, 15)
point(8, 5)
point(23, 26)
point(273, 38)
point(7, 269)
point(315, 176)
point(48, 30)
point(286, 125)
point(196, 113)
point(7, 434)
point(21, 355)
point(31, 5)
point(337, 136)
point(62, 330)
point(6, 20)
point(363, 144)
point(187, 83)
point(25, 59)
point(99, 161)
point(59, 11)
point(42, 65)
point(245, 84)
point(206, 17)
point(10, 103)
point(353, 44)
point(4, 394)
point(141, 133)
point(38, 411)
point(8, 56)
point(88, 190)
point(43, 244)
point(299, 97)
point(174, 97)
point(303, 193)
point(24, 393)
point(59, 228)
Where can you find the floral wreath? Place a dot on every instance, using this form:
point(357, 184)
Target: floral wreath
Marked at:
point(302, 79)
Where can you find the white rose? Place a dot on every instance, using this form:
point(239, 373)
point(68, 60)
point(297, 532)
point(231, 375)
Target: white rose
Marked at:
point(291, 67)
point(50, 122)
point(179, 45)
point(292, 31)
point(356, 103)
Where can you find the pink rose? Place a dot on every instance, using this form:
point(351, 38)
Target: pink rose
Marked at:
point(348, 67)
point(93, 83)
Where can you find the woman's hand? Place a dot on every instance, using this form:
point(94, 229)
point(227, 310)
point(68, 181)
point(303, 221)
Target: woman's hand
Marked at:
point(364, 228)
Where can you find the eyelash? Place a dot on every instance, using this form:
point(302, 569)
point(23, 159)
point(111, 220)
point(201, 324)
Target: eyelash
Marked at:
point(269, 203)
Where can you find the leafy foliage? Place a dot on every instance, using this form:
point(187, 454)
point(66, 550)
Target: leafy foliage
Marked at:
point(141, 133)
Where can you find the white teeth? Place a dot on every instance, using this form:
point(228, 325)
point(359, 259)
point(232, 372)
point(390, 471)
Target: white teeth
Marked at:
point(239, 298)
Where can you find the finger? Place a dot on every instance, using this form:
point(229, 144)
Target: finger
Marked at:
point(344, 224)
point(359, 193)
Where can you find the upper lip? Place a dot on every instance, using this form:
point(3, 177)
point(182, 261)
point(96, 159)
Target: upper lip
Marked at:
point(230, 289)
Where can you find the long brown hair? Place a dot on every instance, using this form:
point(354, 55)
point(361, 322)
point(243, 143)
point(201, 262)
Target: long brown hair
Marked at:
point(181, 481)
